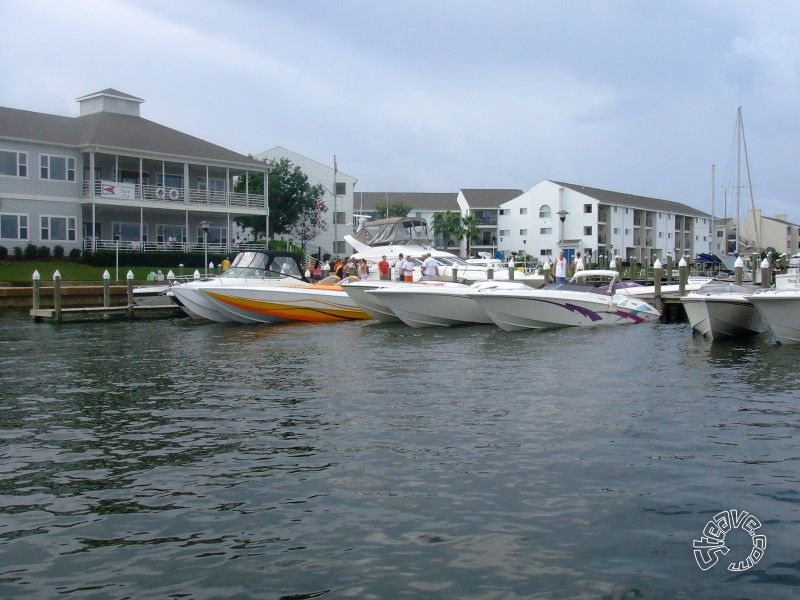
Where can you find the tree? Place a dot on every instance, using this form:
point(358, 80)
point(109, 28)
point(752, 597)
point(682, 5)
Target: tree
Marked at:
point(448, 225)
point(310, 222)
point(392, 209)
point(289, 195)
point(469, 225)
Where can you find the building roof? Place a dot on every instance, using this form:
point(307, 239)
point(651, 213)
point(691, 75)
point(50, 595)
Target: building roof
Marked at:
point(426, 201)
point(489, 198)
point(622, 199)
point(112, 93)
point(112, 131)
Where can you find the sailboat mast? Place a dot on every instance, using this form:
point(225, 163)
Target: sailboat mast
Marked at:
point(738, 174)
point(713, 228)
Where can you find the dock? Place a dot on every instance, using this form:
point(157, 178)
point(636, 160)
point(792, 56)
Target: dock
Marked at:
point(106, 313)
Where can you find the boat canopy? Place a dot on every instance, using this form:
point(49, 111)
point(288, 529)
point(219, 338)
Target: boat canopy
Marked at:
point(394, 231)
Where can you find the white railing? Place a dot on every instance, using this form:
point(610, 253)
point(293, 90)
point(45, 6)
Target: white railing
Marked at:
point(177, 195)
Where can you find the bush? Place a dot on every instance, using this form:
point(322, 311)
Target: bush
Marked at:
point(75, 253)
point(44, 252)
point(31, 252)
point(17, 252)
point(3, 253)
point(58, 252)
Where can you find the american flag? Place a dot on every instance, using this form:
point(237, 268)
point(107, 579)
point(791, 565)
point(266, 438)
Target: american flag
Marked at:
point(319, 210)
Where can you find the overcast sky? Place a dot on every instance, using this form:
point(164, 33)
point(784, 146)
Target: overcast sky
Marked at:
point(432, 96)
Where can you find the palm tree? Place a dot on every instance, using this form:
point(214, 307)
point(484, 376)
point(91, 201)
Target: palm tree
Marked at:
point(469, 228)
point(448, 224)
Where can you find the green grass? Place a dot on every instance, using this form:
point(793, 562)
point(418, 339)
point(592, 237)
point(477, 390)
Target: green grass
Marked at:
point(21, 271)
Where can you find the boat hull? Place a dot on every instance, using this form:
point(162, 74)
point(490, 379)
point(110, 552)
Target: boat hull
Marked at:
point(310, 304)
point(724, 315)
point(780, 309)
point(439, 307)
point(540, 309)
point(369, 303)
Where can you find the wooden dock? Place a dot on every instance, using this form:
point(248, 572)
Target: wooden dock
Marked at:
point(106, 313)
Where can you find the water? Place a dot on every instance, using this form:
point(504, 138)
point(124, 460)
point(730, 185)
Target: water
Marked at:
point(169, 459)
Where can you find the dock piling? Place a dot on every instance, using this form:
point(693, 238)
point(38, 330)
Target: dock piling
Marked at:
point(57, 296)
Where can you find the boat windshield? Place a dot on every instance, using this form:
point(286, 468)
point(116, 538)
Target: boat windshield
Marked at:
point(260, 265)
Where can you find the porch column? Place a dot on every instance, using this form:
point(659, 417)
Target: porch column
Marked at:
point(94, 226)
point(266, 203)
point(91, 172)
point(141, 179)
point(186, 183)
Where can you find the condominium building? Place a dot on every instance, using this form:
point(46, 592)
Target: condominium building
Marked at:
point(110, 178)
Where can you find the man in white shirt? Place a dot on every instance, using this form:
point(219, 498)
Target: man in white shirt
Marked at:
point(430, 268)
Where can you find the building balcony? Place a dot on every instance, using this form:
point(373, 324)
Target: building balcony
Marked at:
point(170, 196)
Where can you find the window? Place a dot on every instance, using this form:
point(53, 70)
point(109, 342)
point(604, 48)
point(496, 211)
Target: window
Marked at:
point(523, 210)
point(544, 212)
point(505, 211)
point(626, 211)
point(669, 236)
point(216, 235)
point(627, 231)
point(215, 184)
point(616, 230)
point(338, 247)
point(13, 164)
point(56, 168)
point(660, 234)
point(503, 232)
point(174, 180)
point(129, 232)
point(340, 218)
point(587, 230)
point(13, 227)
point(165, 233)
point(341, 188)
point(546, 252)
point(615, 209)
point(545, 231)
point(58, 228)
point(587, 208)
point(523, 232)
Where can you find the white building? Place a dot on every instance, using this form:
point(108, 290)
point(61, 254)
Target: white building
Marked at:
point(338, 198)
point(554, 216)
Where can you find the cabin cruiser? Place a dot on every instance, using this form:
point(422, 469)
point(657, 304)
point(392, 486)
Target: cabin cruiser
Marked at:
point(574, 304)
point(201, 298)
point(438, 303)
point(719, 310)
point(409, 236)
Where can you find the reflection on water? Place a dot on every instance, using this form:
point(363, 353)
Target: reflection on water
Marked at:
point(364, 460)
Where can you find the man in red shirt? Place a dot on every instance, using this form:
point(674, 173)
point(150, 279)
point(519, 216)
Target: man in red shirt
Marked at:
point(383, 268)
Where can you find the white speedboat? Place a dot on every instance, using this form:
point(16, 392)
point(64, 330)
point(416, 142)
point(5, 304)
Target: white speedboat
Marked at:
point(323, 302)
point(564, 305)
point(369, 303)
point(780, 309)
point(250, 269)
point(719, 310)
point(438, 303)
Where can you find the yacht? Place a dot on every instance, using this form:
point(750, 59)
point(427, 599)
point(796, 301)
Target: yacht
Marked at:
point(721, 310)
point(780, 309)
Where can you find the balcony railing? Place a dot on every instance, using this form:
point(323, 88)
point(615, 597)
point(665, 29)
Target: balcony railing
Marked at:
point(135, 246)
point(176, 195)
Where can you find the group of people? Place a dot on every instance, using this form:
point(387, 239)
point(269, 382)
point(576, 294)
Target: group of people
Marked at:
point(351, 267)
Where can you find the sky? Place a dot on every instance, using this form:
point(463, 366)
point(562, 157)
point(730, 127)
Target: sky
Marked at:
point(637, 97)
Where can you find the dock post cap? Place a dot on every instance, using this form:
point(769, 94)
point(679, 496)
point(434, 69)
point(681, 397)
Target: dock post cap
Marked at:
point(657, 264)
point(56, 275)
point(211, 265)
point(765, 263)
point(682, 262)
point(129, 276)
point(170, 275)
point(36, 276)
point(196, 274)
point(106, 275)
point(739, 262)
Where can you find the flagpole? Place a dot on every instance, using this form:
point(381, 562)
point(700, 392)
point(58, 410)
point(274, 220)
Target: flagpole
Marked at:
point(335, 220)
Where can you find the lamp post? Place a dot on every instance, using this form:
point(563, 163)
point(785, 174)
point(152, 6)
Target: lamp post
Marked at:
point(205, 226)
point(116, 245)
point(562, 215)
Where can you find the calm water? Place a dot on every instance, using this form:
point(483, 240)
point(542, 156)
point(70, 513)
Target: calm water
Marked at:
point(169, 459)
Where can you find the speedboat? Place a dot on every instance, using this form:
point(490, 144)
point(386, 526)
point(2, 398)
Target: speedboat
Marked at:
point(574, 304)
point(780, 308)
point(719, 310)
point(438, 303)
point(249, 269)
point(373, 305)
point(323, 302)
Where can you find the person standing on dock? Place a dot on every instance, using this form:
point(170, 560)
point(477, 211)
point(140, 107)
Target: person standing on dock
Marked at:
point(561, 268)
point(383, 268)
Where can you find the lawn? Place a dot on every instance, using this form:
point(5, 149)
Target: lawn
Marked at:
point(21, 271)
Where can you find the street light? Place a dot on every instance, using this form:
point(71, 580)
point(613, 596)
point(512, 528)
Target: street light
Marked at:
point(562, 215)
point(205, 225)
